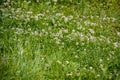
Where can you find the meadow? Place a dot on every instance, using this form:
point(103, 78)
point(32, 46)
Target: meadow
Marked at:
point(60, 40)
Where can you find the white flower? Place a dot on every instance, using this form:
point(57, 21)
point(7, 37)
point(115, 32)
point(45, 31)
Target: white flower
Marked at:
point(18, 10)
point(57, 42)
point(55, 1)
point(77, 43)
point(65, 31)
point(101, 65)
point(67, 62)
point(91, 31)
point(70, 17)
point(69, 74)
point(65, 19)
point(73, 31)
point(91, 17)
point(118, 33)
point(113, 19)
point(8, 0)
point(91, 67)
point(29, 29)
point(29, 12)
point(98, 75)
point(58, 14)
point(36, 18)
point(101, 60)
point(76, 56)
point(115, 44)
point(36, 33)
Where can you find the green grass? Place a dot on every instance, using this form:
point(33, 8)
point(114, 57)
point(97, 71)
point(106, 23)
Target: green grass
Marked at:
point(78, 40)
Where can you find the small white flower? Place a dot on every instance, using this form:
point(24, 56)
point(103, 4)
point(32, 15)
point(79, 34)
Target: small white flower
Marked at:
point(58, 14)
point(91, 31)
point(8, 0)
point(42, 58)
point(57, 42)
point(69, 74)
point(118, 33)
point(101, 60)
point(55, 1)
point(29, 12)
point(77, 43)
point(76, 56)
point(113, 19)
point(36, 33)
point(98, 75)
point(65, 19)
point(101, 65)
point(29, 29)
point(65, 31)
point(70, 17)
point(91, 67)
point(73, 31)
point(115, 44)
point(36, 18)
point(67, 62)
point(91, 17)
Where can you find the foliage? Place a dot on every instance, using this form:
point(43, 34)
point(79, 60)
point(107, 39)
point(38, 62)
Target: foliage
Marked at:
point(60, 40)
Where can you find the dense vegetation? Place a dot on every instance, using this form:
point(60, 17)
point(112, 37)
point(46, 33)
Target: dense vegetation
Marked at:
point(60, 40)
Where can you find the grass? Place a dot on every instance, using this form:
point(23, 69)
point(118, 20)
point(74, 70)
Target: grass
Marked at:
point(78, 40)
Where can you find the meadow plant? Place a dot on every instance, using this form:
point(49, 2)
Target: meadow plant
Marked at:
point(59, 40)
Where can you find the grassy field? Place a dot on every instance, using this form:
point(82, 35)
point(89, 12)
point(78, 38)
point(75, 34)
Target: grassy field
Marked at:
point(60, 40)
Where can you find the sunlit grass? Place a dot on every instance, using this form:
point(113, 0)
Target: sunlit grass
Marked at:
point(61, 40)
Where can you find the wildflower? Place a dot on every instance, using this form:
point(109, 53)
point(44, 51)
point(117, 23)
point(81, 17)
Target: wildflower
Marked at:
point(98, 75)
point(65, 31)
point(36, 18)
point(97, 16)
point(77, 43)
point(67, 62)
point(84, 68)
point(115, 44)
point(113, 19)
point(73, 31)
point(92, 38)
point(70, 0)
point(36, 32)
point(29, 12)
point(69, 74)
point(101, 65)
point(101, 60)
point(91, 17)
point(63, 43)
point(29, 29)
point(55, 1)
point(108, 41)
point(18, 10)
point(65, 19)
point(70, 17)
point(58, 14)
point(8, 0)
point(118, 33)
point(76, 56)
point(91, 31)
point(6, 3)
point(91, 68)
point(42, 58)
point(58, 41)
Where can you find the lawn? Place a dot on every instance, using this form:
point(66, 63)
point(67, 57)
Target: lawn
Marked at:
point(60, 40)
